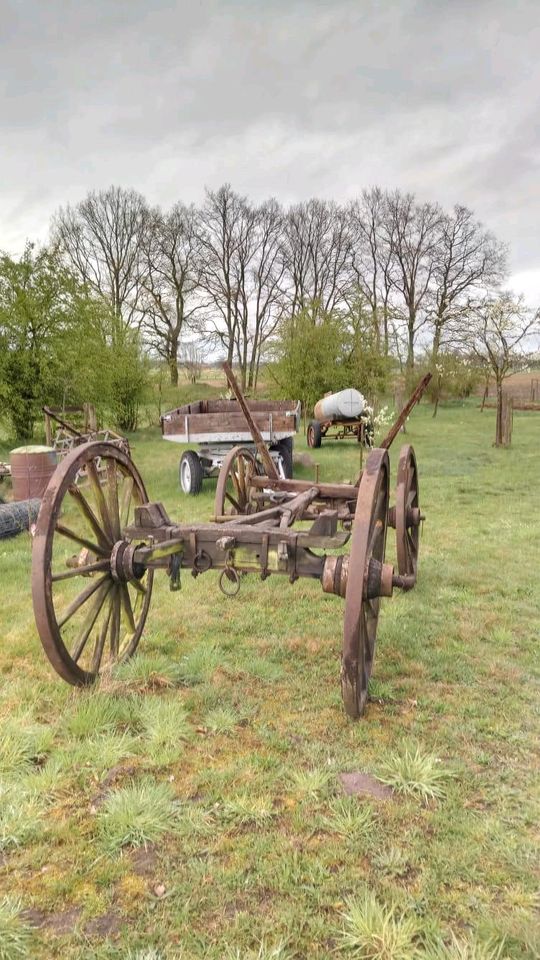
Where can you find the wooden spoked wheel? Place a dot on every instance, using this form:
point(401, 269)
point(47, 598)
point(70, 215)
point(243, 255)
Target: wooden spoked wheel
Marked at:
point(90, 601)
point(407, 513)
point(362, 614)
point(233, 489)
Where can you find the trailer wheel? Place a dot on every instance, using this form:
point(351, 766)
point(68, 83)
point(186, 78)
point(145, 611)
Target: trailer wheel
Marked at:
point(285, 451)
point(314, 434)
point(190, 473)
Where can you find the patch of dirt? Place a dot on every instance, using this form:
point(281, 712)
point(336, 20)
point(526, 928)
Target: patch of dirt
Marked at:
point(59, 923)
point(363, 784)
point(144, 861)
point(105, 925)
point(119, 772)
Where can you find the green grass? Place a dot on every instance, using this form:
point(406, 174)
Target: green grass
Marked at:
point(137, 814)
point(213, 758)
point(374, 932)
point(15, 934)
point(410, 771)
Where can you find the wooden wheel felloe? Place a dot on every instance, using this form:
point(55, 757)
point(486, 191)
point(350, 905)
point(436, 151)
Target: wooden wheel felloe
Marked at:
point(90, 601)
point(233, 489)
point(366, 557)
point(407, 513)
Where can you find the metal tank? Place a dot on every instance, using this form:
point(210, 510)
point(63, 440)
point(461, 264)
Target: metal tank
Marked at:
point(345, 405)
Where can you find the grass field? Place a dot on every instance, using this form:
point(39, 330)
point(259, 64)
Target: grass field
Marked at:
point(192, 808)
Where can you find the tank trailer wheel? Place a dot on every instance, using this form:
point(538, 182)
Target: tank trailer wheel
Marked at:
point(407, 515)
point(362, 597)
point(233, 488)
point(314, 434)
point(90, 600)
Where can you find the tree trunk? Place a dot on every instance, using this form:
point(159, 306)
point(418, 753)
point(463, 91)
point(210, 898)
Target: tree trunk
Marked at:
point(485, 396)
point(410, 347)
point(437, 396)
point(498, 425)
point(173, 370)
point(507, 418)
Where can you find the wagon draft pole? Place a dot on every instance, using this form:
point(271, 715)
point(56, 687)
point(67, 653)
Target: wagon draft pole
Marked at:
point(97, 547)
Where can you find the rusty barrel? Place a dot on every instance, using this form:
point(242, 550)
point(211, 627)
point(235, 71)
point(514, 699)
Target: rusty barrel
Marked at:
point(31, 469)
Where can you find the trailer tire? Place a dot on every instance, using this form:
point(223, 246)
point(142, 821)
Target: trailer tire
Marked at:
point(285, 450)
point(190, 473)
point(314, 434)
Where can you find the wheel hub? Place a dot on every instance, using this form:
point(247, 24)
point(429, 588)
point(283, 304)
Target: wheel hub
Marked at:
point(123, 565)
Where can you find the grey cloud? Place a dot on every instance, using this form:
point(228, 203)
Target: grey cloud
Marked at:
point(283, 98)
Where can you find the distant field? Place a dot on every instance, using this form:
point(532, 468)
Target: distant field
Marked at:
point(519, 385)
point(223, 743)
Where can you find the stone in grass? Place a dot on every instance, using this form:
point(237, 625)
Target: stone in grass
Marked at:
point(362, 784)
point(303, 460)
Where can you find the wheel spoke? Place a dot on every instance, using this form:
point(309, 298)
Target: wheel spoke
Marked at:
point(81, 571)
point(410, 499)
point(112, 490)
point(125, 503)
point(242, 475)
point(71, 535)
point(231, 499)
point(377, 531)
point(115, 623)
point(91, 618)
point(236, 482)
point(90, 516)
point(138, 586)
point(80, 599)
point(126, 604)
point(100, 498)
point(100, 642)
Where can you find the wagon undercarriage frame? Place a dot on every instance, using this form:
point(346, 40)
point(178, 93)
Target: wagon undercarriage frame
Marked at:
point(97, 547)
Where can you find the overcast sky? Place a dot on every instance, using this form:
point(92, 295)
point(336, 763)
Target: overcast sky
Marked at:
point(278, 97)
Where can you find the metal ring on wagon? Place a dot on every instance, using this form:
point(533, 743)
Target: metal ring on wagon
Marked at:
point(232, 577)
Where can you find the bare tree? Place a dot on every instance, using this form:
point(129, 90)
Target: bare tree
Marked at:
point(191, 354)
point(170, 279)
point(260, 298)
point(101, 239)
point(316, 251)
point(467, 260)
point(497, 334)
point(241, 276)
point(225, 227)
point(412, 230)
point(372, 259)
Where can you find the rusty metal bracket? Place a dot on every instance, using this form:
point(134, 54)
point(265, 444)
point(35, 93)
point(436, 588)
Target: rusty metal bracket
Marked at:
point(294, 556)
point(264, 556)
point(175, 565)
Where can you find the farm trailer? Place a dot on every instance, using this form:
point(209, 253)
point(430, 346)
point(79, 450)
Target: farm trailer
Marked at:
point(341, 416)
point(97, 547)
point(219, 425)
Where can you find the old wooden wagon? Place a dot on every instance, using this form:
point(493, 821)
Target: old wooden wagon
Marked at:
point(216, 426)
point(97, 547)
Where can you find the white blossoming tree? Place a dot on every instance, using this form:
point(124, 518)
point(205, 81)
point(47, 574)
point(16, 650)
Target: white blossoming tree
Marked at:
point(501, 334)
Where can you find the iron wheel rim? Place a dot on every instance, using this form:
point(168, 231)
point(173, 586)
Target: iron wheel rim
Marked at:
point(107, 642)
